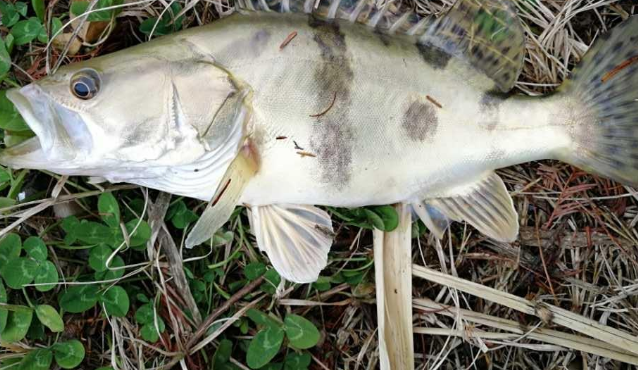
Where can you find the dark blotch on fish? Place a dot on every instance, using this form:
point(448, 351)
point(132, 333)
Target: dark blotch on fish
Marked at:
point(434, 56)
point(333, 136)
point(489, 106)
point(383, 37)
point(420, 121)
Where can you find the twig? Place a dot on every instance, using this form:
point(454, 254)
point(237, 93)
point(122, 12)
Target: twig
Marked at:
point(431, 100)
point(292, 35)
point(334, 98)
point(619, 68)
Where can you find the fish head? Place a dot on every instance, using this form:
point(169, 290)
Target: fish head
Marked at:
point(129, 113)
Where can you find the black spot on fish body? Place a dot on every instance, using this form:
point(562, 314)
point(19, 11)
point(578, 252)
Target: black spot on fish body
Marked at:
point(489, 106)
point(383, 37)
point(433, 55)
point(420, 121)
point(333, 136)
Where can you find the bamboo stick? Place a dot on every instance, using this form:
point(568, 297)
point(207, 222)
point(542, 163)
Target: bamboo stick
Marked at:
point(393, 272)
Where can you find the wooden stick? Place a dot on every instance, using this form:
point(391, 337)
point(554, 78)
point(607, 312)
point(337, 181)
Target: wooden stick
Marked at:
point(393, 272)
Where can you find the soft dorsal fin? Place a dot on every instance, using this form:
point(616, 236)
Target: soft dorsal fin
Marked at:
point(296, 238)
point(488, 33)
point(390, 17)
point(484, 204)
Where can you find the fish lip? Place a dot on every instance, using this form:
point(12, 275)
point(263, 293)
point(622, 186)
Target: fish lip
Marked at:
point(38, 111)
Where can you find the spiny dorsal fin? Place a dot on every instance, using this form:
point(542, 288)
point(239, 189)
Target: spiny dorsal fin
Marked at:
point(488, 33)
point(484, 204)
point(296, 238)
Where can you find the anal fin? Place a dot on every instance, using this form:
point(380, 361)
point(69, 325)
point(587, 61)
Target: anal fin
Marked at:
point(484, 204)
point(296, 238)
point(226, 197)
point(434, 220)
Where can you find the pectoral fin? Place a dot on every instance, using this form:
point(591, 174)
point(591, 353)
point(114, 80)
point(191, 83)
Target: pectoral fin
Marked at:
point(226, 197)
point(484, 204)
point(296, 238)
point(488, 33)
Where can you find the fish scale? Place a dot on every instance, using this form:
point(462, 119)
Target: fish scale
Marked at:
point(289, 104)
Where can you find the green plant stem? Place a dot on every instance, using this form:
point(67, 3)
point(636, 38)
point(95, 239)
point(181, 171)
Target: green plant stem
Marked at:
point(230, 258)
point(26, 296)
point(16, 184)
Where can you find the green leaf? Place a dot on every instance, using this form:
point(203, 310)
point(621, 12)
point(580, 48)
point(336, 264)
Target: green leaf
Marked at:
point(93, 233)
point(389, 216)
point(374, 219)
point(68, 354)
point(26, 31)
point(301, 333)
point(272, 281)
point(36, 248)
point(10, 247)
point(56, 26)
point(149, 331)
point(79, 298)
point(38, 7)
point(38, 359)
point(96, 15)
point(109, 209)
point(165, 25)
point(5, 59)
point(141, 235)
point(145, 314)
point(262, 319)
point(49, 317)
point(3, 312)
point(10, 15)
point(322, 284)
point(116, 301)
point(36, 331)
point(114, 272)
point(46, 274)
point(5, 174)
point(297, 361)
point(264, 347)
point(19, 272)
point(21, 7)
point(180, 215)
point(222, 355)
point(254, 270)
point(17, 327)
point(98, 257)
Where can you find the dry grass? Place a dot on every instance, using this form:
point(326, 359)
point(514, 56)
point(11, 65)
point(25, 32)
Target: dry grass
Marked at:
point(577, 249)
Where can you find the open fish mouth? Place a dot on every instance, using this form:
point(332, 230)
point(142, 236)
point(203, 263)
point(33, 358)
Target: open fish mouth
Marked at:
point(61, 135)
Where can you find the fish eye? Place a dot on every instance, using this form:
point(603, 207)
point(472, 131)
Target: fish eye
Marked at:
point(85, 84)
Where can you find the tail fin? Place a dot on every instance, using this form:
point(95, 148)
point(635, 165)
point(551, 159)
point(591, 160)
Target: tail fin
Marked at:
point(602, 103)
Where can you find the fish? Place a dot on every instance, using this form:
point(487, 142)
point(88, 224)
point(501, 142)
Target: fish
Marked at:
point(289, 105)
